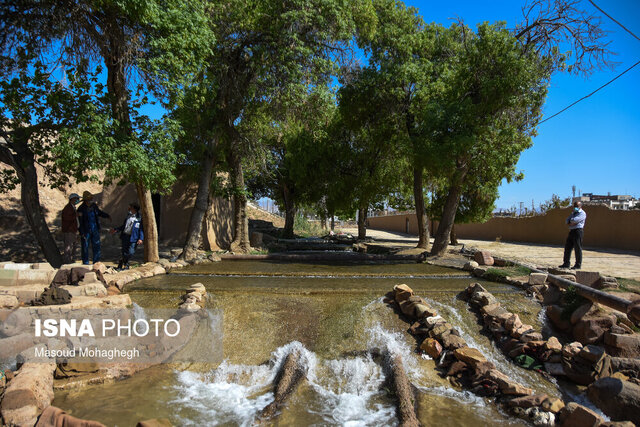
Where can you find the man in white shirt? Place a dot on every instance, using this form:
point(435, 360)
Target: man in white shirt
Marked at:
point(576, 231)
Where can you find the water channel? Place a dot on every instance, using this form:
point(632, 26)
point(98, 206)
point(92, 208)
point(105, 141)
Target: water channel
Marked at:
point(335, 316)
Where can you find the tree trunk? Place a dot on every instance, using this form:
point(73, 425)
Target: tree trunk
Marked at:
point(30, 198)
point(362, 228)
point(421, 214)
point(117, 89)
point(240, 241)
point(447, 220)
point(453, 237)
point(149, 224)
point(323, 220)
point(194, 232)
point(333, 221)
point(289, 212)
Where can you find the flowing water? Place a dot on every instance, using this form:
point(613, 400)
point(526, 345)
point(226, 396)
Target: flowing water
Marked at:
point(334, 316)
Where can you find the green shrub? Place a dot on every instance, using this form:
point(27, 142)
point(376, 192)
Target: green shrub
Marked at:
point(305, 228)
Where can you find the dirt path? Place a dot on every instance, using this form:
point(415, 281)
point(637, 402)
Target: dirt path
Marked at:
point(611, 262)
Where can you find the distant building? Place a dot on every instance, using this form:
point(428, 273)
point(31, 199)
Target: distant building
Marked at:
point(618, 202)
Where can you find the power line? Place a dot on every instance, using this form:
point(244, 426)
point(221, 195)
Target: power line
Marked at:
point(613, 19)
point(587, 96)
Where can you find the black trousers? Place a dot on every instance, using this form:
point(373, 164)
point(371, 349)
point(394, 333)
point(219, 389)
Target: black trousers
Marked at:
point(574, 241)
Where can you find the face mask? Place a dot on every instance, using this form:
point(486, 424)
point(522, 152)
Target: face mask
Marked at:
point(576, 209)
point(76, 201)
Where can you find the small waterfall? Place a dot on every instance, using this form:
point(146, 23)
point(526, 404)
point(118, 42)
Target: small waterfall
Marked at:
point(232, 393)
point(347, 389)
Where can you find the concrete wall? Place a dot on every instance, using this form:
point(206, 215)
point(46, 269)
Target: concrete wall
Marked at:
point(605, 228)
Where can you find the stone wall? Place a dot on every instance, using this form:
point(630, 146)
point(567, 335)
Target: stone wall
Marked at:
point(175, 210)
point(605, 228)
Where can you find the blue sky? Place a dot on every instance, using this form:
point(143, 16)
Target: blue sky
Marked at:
point(594, 145)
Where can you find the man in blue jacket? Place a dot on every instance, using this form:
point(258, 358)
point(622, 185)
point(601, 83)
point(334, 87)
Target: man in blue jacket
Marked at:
point(89, 215)
point(131, 235)
point(576, 231)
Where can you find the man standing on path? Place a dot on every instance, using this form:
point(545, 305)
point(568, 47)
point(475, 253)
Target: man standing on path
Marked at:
point(576, 231)
point(70, 228)
point(89, 215)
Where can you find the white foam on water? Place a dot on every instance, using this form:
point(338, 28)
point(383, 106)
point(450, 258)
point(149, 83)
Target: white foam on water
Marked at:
point(464, 397)
point(237, 393)
point(231, 393)
point(394, 343)
point(346, 388)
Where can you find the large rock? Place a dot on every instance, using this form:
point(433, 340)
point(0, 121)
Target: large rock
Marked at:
point(17, 322)
point(470, 356)
point(551, 295)
point(590, 329)
point(512, 323)
point(537, 278)
point(592, 353)
point(31, 277)
point(528, 401)
point(483, 258)
point(453, 342)
point(606, 282)
point(555, 316)
point(619, 399)
point(432, 347)
point(625, 364)
point(30, 391)
point(402, 292)
point(483, 298)
point(623, 345)
point(507, 385)
point(8, 301)
point(575, 415)
point(470, 265)
point(553, 404)
point(92, 289)
point(553, 344)
point(585, 309)
point(56, 417)
point(588, 278)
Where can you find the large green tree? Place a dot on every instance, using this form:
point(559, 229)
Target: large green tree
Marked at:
point(36, 111)
point(406, 55)
point(151, 45)
point(291, 174)
point(261, 48)
point(370, 143)
point(482, 113)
